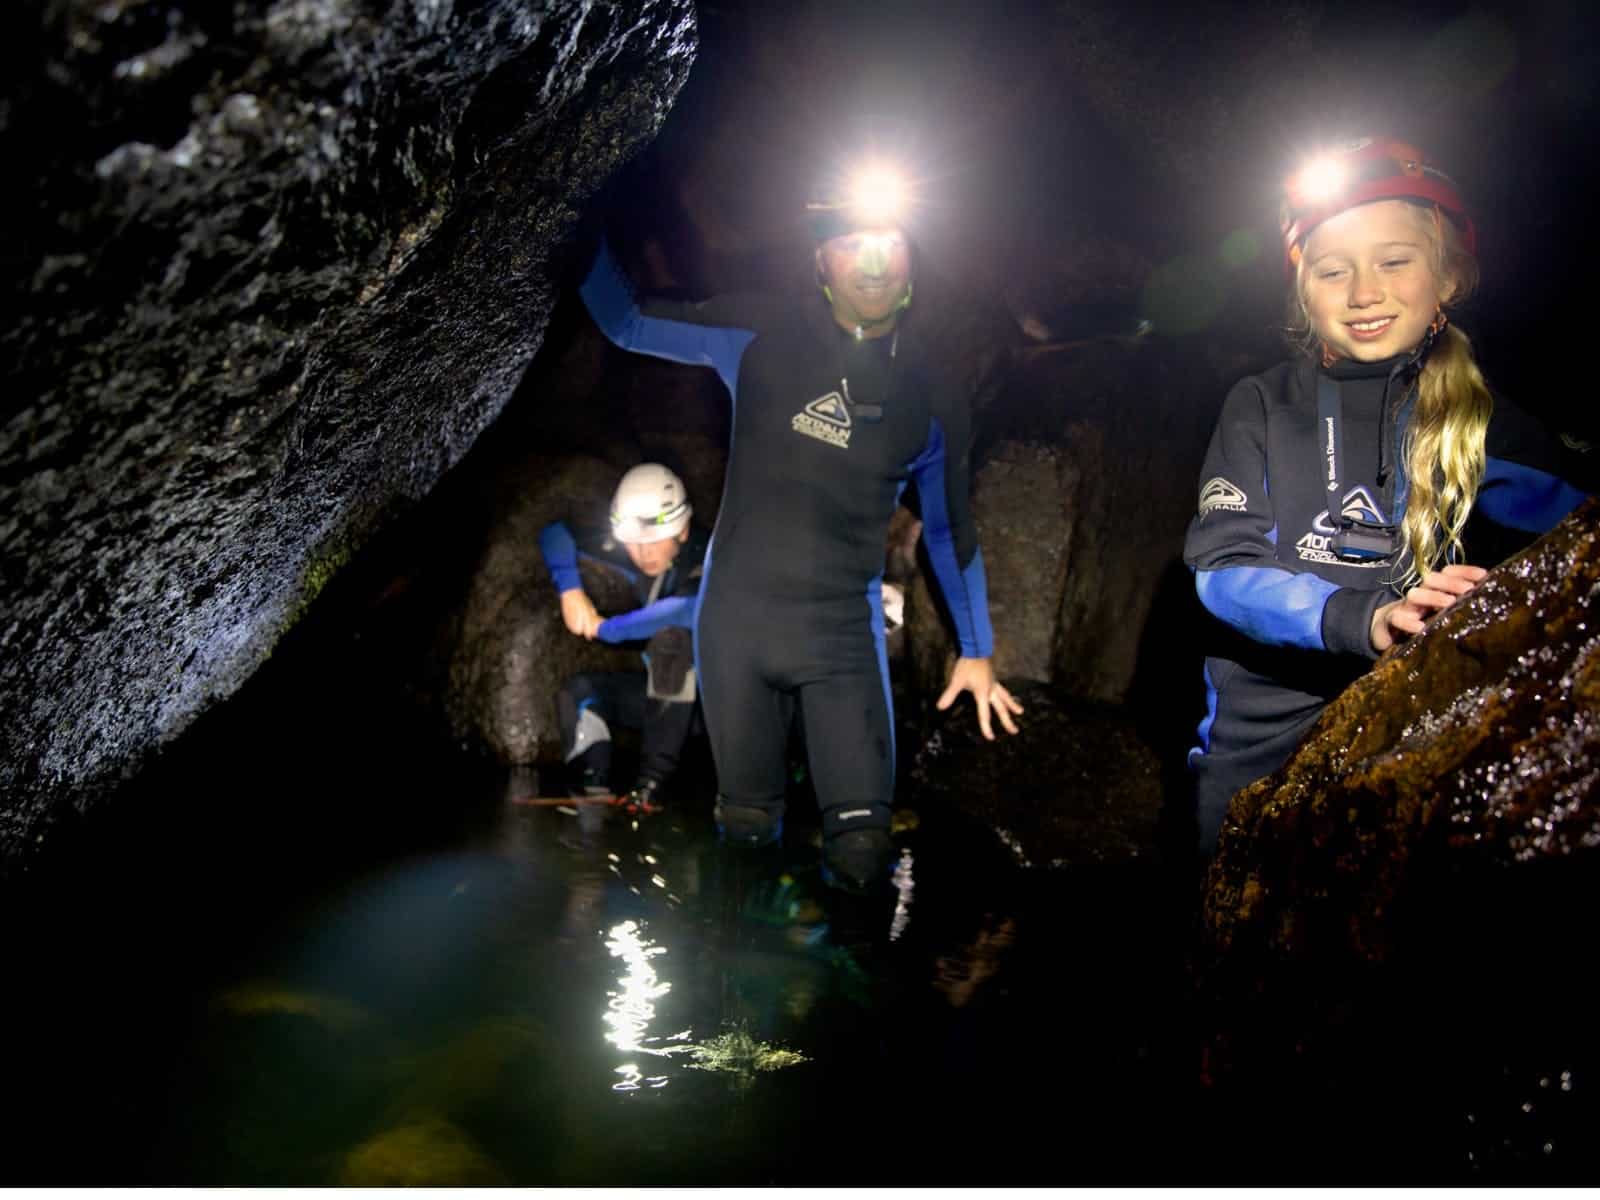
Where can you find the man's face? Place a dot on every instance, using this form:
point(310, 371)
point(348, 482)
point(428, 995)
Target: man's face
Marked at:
point(868, 272)
point(1368, 281)
point(653, 558)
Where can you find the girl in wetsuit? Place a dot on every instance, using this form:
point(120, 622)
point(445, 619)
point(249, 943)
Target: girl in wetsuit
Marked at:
point(1347, 494)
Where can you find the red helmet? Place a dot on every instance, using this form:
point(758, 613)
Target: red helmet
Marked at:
point(1357, 173)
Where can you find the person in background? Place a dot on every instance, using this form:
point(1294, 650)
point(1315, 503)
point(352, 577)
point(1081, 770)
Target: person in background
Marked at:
point(651, 545)
point(838, 405)
point(1355, 491)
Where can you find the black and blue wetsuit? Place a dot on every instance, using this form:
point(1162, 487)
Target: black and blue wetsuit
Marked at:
point(663, 617)
point(1295, 617)
point(827, 431)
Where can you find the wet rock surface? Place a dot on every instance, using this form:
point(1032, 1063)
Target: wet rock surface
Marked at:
point(277, 267)
point(1085, 470)
point(1077, 784)
point(1476, 742)
point(1412, 891)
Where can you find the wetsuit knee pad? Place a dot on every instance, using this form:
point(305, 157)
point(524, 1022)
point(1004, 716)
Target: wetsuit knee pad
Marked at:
point(747, 825)
point(858, 860)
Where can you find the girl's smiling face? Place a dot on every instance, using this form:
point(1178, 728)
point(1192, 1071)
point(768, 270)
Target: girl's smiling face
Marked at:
point(1369, 281)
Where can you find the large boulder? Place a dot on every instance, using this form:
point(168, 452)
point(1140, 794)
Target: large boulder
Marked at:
point(1086, 466)
point(1409, 897)
point(1076, 785)
point(276, 267)
point(1476, 743)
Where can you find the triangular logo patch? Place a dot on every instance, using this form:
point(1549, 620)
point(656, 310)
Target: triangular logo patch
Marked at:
point(1358, 506)
point(830, 408)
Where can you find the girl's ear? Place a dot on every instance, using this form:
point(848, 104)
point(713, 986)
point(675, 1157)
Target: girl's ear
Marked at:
point(1449, 285)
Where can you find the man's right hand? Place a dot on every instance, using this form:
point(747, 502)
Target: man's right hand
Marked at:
point(578, 611)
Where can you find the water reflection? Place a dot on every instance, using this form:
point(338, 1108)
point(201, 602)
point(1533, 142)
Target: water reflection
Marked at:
point(737, 1053)
point(904, 885)
point(631, 1008)
point(434, 1022)
point(960, 976)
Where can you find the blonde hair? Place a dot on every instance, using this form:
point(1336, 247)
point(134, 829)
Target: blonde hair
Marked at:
point(1444, 444)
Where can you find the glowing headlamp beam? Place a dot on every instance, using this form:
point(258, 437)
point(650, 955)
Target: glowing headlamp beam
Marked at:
point(1320, 181)
point(879, 195)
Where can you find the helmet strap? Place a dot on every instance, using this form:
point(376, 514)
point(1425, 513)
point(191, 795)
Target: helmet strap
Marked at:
point(1436, 327)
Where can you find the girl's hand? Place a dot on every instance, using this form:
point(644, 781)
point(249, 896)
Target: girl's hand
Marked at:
point(976, 675)
point(578, 612)
point(1438, 590)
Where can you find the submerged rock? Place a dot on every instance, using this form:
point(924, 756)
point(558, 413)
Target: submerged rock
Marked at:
point(265, 998)
point(1077, 784)
point(429, 1152)
point(277, 266)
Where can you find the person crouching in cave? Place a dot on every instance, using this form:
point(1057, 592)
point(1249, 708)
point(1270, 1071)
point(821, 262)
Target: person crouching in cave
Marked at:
point(837, 406)
point(1345, 491)
point(652, 546)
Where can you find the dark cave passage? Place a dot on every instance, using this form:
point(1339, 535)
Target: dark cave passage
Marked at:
point(299, 371)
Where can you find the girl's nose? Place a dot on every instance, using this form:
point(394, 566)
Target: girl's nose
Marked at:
point(1364, 288)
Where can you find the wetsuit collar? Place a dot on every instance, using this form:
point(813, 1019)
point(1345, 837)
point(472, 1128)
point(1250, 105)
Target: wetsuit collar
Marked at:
point(1349, 368)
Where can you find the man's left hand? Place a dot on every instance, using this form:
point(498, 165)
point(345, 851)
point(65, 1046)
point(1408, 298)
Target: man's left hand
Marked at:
point(976, 675)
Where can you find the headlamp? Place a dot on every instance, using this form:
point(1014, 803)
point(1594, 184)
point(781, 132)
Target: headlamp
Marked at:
point(874, 196)
point(878, 195)
point(1359, 540)
point(1319, 182)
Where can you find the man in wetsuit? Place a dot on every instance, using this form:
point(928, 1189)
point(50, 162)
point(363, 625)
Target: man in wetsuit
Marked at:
point(652, 546)
point(837, 406)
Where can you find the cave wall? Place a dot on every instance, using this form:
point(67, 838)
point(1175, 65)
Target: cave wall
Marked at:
point(275, 267)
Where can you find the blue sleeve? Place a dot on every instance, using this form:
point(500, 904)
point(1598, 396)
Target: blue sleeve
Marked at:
point(560, 555)
point(966, 589)
point(641, 623)
point(684, 333)
point(1268, 604)
point(1523, 497)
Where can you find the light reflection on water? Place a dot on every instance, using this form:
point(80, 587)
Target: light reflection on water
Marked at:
point(904, 885)
point(632, 1006)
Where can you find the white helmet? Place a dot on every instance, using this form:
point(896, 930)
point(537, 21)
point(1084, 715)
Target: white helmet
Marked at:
point(650, 505)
